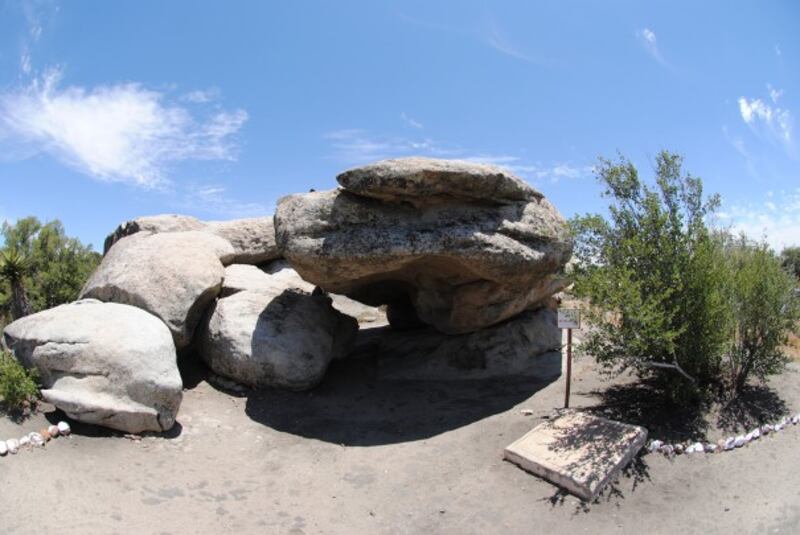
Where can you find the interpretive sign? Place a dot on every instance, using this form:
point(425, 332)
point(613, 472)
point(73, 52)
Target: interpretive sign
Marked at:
point(569, 318)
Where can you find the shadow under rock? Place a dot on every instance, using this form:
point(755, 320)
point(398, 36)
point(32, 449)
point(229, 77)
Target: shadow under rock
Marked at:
point(642, 403)
point(754, 405)
point(353, 407)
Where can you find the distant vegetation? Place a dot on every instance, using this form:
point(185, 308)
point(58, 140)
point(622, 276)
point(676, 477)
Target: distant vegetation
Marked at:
point(693, 308)
point(790, 257)
point(40, 267)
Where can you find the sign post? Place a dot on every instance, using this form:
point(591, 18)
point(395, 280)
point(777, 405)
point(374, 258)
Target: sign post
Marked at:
point(569, 319)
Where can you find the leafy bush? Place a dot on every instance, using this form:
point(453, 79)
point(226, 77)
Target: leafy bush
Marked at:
point(653, 273)
point(670, 299)
point(18, 386)
point(790, 257)
point(765, 311)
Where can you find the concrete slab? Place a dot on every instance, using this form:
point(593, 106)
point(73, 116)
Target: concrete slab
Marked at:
point(577, 451)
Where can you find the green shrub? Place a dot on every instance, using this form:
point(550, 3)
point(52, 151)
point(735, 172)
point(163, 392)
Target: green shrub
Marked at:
point(670, 299)
point(765, 311)
point(655, 279)
point(18, 386)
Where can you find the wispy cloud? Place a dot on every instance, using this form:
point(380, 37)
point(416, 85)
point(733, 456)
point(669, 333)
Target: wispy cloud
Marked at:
point(776, 219)
point(536, 172)
point(123, 132)
point(499, 40)
point(410, 121)
point(357, 146)
point(200, 96)
point(771, 119)
point(490, 33)
point(214, 199)
point(738, 144)
point(648, 39)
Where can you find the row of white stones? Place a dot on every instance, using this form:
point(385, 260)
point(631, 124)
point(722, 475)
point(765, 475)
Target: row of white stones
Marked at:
point(724, 444)
point(12, 445)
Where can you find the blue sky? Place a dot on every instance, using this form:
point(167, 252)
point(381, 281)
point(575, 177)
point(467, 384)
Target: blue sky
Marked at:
point(110, 110)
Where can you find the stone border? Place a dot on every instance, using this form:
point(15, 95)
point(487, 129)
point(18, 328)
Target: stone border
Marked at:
point(13, 445)
point(723, 444)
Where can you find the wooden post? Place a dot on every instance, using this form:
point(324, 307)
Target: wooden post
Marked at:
point(569, 367)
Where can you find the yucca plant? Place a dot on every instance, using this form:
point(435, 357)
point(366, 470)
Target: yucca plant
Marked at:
point(14, 266)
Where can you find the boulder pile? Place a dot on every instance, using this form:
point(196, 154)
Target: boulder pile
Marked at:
point(459, 258)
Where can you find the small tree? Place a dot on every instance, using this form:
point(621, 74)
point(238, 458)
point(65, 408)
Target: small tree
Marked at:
point(765, 311)
point(14, 268)
point(655, 277)
point(56, 265)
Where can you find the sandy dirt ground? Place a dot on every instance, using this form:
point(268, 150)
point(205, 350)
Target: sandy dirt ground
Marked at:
point(358, 455)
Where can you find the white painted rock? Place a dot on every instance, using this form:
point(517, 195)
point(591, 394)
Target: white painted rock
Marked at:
point(739, 441)
point(64, 428)
point(710, 448)
point(729, 443)
point(766, 429)
point(655, 445)
point(102, 363)
point(667, 449)
point(679, 448)
point(795, 419)
point(779, 426)
point(13, 445)
point(3, 448)
point(698, 447)
point(53, 430)
point(36, 439)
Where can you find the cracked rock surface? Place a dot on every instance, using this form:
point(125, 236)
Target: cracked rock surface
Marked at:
point(460, 245)
point(102, 363)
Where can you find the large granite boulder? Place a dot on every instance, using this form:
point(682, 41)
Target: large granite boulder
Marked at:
point(174, 276)
point(461, 246)
point(273, 330)
point(102, 363)
point(252, 240)
point(427, 181)
point(527, 345)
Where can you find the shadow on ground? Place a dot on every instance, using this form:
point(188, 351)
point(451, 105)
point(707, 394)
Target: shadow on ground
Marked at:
point(755, 405)
point(353, 408)
point(642, 403)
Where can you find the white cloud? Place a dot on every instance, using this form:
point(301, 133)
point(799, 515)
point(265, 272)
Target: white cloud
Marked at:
point(776, 220)
point(760, 115)
point(25, 62)
point(214, 199)
point(774, 94)
point(201, 96)
point(410, 121)
point(650, 42)
point(498, 40)
point(778, 51)
point(121, 132)
point(355, 147)
point(535, 172)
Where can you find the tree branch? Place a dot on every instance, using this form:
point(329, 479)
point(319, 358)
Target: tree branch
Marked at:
point(673, 366)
